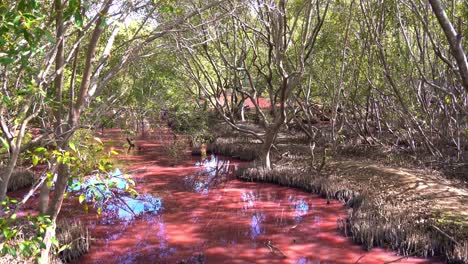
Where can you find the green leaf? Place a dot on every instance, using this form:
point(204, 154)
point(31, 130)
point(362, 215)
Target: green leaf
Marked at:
point(40, 150)
point(72, 146)
point(81, 198)
point(42, 245)
point(4, 249)
point(6, 60)
point(99, 210)
point(98, 140)
point(78, 19)
point(5, 144)
point(35, 160)
point(54, 241)
point(62, 248)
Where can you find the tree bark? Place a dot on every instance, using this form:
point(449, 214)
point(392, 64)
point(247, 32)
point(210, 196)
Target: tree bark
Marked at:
point(58, 85)
point(454, 39)
point(6, 175)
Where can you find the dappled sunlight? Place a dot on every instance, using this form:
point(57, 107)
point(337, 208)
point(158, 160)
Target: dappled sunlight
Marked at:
point(198, 207)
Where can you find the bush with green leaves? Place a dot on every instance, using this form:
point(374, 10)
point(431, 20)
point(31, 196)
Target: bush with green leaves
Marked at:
point(21, 236)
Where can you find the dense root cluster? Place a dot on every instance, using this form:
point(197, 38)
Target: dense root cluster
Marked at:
point(21, 178)
point(326, 186)
point(76, 238)
point(246, 150)
point(373, 221)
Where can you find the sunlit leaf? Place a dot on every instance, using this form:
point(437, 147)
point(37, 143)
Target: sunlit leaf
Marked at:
point(72, 146)
point(40, 150)
point(35, 160)
point(54, 241)
point(5, 144)
point(97, 140)
point(81, 198)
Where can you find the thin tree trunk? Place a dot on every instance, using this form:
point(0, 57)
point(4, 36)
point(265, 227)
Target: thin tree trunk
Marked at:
point(63, 173)
point(454, 39)
point(8, 172)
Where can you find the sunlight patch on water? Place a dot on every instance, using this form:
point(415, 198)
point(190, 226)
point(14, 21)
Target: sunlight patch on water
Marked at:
point(127, 208)
point(110, 194)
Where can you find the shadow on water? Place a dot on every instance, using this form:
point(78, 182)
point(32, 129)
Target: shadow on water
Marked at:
point(202, 210)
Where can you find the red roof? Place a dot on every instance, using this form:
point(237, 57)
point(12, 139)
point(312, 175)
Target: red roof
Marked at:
point(262, 102)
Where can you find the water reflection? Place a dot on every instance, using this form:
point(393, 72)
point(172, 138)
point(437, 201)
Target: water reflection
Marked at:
point(256, 224)
point(109, 193)
point(226, 220)
point(248, 199)
point(163, 237)
point(212, 171)
point(305, 260)
point(301, 208)
point(127, 208)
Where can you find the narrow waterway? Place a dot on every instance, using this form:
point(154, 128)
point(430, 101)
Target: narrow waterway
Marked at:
point(190, 208)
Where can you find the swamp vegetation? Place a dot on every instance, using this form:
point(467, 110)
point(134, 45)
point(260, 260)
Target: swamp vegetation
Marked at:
point(359, 101)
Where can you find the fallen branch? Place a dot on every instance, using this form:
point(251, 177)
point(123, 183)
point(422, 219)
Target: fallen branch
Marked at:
point(445, 234)
point(359, 259)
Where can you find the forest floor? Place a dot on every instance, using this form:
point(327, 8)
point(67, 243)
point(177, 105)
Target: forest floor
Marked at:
point(399, 189)
point(424, 187)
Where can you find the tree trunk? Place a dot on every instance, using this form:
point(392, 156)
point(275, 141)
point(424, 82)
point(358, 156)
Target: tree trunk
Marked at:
point(454, 39)
point(7, 173)
point(54, 208)
point(49, 234)
point(62, 172)
point(270, 137)
point(266, 148)
point(58, 85)
point(44, 198)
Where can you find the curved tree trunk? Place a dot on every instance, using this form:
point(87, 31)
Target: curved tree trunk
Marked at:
point(454, 39)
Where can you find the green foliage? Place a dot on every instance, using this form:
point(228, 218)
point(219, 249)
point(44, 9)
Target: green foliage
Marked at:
point(21, 236)
point(21, 30)
point(193, 122)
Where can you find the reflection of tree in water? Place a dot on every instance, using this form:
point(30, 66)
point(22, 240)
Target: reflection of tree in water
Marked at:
point(301, 208)
point(213, 171)
point(305, 260)
point(162, 238)
point(109, 193)
point(249, 199)
point(256, 224)
point(127, 208)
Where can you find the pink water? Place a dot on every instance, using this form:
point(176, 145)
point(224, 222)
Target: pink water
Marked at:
point(190, 207)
